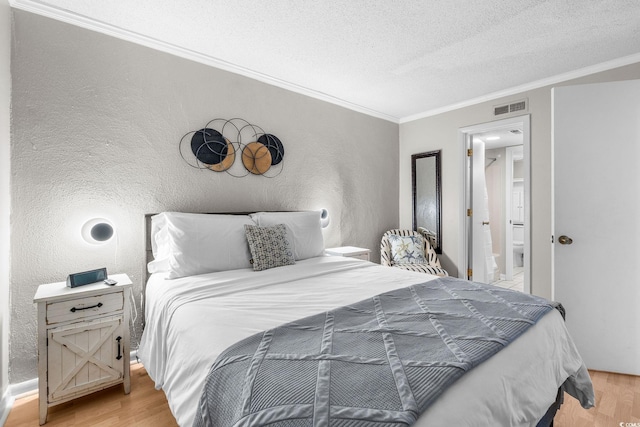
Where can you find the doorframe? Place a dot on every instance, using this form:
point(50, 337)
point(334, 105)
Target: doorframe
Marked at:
point(508, 197)
point(465, 137)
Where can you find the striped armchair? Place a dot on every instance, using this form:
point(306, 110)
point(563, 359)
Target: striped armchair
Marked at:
point(432, 264)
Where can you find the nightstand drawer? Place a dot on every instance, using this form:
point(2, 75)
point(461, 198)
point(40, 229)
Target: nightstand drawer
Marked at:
point(361, 256)
point(81, 308)
point(350, 252)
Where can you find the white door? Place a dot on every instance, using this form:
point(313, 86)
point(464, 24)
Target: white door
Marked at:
point(596, 140)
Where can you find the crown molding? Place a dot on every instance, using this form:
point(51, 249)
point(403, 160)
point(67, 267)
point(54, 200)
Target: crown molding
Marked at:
point(62, 15)
point(603, 66)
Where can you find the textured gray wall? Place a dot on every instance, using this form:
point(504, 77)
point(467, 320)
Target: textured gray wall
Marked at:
point(96, 125)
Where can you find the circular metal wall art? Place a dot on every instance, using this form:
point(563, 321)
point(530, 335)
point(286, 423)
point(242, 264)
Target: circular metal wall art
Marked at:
point(209, 146)
point(216, 150)
point(275, 147)
point(227, 162)
point(256, 158)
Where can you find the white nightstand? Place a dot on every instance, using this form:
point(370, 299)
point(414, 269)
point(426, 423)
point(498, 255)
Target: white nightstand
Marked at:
point(83, 340)
point(349, 251)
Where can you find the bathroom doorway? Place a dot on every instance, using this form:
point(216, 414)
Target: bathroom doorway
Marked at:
point(496, 200)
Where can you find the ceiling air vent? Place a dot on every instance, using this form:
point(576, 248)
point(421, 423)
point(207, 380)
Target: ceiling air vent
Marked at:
point(510, 108)
point(518, 106)
point(503, 109)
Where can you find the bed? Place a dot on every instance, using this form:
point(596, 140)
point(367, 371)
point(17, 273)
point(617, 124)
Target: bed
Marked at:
point(191, 319)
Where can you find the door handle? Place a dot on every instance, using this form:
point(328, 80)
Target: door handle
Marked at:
point(485, 222)
point(565, 240)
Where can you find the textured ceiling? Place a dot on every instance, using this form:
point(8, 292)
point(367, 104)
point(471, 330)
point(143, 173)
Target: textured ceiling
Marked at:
point(393, 59)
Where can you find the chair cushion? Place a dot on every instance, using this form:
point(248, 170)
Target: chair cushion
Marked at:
point(407, 249)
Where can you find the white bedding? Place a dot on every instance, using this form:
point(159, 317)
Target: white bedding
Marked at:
point(191, 320)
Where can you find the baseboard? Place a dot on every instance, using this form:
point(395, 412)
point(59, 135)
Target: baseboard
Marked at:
point(5, 406)
point(24, 389)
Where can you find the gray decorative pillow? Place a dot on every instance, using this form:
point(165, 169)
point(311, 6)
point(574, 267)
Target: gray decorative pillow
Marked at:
point(269, 246)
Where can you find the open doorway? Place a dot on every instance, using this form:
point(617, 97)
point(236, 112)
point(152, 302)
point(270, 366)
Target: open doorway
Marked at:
point(496, 192)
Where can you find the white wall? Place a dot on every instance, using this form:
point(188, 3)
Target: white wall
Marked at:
point(5, 116)
point(441, 132)
point(96, 126)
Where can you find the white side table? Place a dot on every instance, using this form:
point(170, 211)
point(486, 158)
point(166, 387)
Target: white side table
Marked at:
point(83, 340)
point(349, 251)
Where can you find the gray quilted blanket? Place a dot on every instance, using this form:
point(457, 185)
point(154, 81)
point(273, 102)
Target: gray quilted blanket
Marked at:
point(380, 362)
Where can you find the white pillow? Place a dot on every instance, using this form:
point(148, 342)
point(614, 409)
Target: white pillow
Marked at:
point(159, 244)
point(190, 244)
point(303, 230)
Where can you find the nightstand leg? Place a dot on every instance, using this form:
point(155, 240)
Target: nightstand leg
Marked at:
point(42, 364)
point(127, 381)
point(43, 411)
point(127, 345)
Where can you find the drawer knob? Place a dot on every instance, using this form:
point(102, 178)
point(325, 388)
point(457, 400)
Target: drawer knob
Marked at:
point(98, 305)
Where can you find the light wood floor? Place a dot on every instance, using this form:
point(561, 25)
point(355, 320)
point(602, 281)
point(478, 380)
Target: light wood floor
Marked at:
point(144, 406)
point(617, 401)
point(617, 398)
